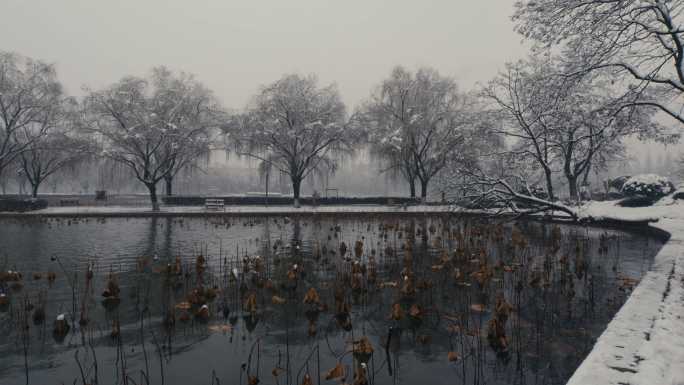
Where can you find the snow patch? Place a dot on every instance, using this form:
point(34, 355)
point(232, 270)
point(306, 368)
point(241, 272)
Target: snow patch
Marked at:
point(644, 343)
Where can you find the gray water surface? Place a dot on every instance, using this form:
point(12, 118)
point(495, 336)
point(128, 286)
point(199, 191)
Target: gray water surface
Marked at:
point(551, 329)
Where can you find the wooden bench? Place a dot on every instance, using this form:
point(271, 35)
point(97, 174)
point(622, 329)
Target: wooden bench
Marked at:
point(68, 202)
point(214, 204)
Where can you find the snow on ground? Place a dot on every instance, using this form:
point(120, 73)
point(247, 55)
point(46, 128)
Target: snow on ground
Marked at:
point(229, 209)
point(644, 343)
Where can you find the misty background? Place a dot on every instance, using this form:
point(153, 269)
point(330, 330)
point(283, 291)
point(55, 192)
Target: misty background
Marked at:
point(234, 47)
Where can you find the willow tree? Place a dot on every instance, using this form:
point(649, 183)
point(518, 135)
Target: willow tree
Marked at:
point(152, 125)
point(58, 150)
point(417, 123)
point(386, 115)
point(294, 126)
point(199, 116)
point(31, 100)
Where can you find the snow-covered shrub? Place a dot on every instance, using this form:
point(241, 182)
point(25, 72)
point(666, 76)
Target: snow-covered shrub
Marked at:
point(651, 186)
point(617, 183)
point(679, 192)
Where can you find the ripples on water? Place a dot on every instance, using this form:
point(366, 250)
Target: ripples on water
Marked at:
point(562, 299)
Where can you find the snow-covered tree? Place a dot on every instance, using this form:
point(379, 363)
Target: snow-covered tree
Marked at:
point(200, 115)
point(154, 126)
point(385, 115)
point(565, 124)
point(416, 123)
point(639, 40)
point(522, 101)
point(60, 148)
point(30, 104)
point(294, 126)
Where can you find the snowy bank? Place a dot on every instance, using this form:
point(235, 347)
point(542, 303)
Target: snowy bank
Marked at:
point(644, 343)
point(246, 210)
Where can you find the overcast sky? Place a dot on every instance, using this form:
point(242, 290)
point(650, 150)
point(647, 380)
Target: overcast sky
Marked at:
point(234, 46)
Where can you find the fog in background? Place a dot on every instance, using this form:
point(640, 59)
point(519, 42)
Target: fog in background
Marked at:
point(234, 46)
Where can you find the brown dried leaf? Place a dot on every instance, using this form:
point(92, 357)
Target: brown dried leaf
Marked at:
point(397, 312)
point(311, 296)
point(437, 268)
point(307, 380)
point(363, 346)
point(415, 311)
point(250, 304)
point(336, 372)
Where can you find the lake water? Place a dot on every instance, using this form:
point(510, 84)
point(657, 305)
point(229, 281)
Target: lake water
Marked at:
point(441, 300)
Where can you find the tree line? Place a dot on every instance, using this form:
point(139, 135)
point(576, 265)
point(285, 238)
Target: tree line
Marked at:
point(599, 72)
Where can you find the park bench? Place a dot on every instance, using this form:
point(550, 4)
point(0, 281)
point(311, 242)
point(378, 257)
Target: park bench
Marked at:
point(68, 202)
point(214, 204)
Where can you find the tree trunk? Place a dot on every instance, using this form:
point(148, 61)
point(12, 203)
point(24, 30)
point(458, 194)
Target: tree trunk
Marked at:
point(296, 184)
point(423, 190)
point(585, 177)
point(267, 178)
point(34, 190)
point(169, 186)
point(412, 185)
point(153, 195)
point(572, 186)
point(549, 185)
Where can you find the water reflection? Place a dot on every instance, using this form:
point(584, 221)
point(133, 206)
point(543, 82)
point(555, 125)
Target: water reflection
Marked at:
point(426, 292)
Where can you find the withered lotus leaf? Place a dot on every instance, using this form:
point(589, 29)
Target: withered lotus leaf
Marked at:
point(358, 249)
point(363, 346)
point(307, 380)
point(452, 356)
point(312, 296)
point(415, 311)
point(437, 268)
point(397, 312)
point(360, 377)
point(250, 304)
point(336, 372)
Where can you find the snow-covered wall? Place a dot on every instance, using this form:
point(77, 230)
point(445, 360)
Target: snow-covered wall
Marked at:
point(644, 343)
